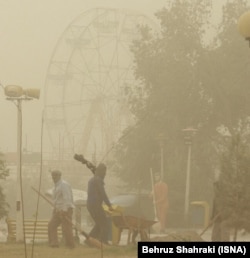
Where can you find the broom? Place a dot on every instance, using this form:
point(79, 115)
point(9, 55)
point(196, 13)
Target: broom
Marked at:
point(92, 241)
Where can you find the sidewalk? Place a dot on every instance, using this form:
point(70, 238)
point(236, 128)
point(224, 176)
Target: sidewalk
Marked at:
point(206, 236)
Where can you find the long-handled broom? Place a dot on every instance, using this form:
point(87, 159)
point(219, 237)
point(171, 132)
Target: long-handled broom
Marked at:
point(92, 241)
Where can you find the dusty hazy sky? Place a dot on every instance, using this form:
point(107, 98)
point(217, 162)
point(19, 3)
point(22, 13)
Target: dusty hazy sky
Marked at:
point(29, 30)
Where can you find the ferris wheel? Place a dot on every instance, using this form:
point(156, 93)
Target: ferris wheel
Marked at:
point(86, 108)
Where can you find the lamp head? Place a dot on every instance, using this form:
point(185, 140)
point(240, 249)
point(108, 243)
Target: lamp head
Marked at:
point(13, 91)
point(32, 93)
point(244, 25)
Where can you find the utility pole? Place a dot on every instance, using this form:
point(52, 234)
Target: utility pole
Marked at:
point(16, 94)
point(188, 137)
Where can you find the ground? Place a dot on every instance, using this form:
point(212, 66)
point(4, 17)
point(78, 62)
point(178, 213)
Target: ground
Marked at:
point(43, 251)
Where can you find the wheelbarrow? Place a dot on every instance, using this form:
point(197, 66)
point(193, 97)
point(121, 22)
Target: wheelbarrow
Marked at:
point(132, 212)
point(134, 225)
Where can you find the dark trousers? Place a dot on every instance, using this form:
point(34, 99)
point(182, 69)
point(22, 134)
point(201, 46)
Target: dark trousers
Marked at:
point(64, 219)
point(100, 230)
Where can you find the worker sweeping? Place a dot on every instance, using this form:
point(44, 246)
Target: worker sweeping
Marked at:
point(62, 212)
point(161, 201)
point(92, 241)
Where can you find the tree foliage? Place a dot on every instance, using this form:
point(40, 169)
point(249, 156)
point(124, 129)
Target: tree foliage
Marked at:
point(234, 182)
point(185, 80)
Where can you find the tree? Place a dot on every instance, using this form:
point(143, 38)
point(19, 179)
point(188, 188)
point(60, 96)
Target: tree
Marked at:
point(183, 81)
point(4, 172)
point(166, 66)
point(234, 182)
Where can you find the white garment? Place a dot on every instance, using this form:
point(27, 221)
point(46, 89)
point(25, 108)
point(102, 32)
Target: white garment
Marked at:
point(62, 196)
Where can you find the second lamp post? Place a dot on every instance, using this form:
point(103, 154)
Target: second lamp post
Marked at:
point(188, 137)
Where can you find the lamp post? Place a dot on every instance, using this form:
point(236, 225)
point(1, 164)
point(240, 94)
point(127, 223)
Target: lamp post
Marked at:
point(17, 94)
point(188, 137)
point(244, 25)
point(161, 138)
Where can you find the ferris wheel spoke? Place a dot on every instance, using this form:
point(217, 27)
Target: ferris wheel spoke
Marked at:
point(87, 87)
point(100, 44)
point(89, 72)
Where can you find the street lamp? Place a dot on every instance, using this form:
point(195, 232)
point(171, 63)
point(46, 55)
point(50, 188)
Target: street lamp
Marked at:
point(161, 138)
point(17, 95)
point(188, 137)
point(244, 25)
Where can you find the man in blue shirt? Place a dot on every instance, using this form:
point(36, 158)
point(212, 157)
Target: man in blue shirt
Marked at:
point(63, 211)
point(96, 196)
